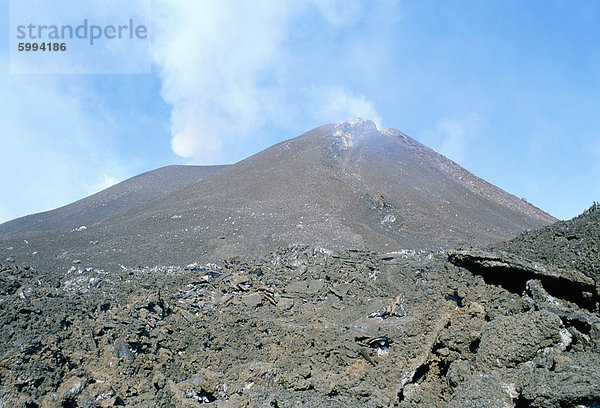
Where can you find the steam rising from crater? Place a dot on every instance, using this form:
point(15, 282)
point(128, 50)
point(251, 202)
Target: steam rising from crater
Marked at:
point(229, 71)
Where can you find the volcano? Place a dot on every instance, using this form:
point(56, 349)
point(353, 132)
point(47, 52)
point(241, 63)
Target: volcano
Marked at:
point(339, 186)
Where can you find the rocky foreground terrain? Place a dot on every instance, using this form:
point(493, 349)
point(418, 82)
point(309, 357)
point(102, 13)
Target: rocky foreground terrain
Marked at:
point(510, 325)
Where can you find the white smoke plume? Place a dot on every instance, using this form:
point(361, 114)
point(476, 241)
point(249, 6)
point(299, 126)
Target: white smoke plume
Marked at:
point(226, 70)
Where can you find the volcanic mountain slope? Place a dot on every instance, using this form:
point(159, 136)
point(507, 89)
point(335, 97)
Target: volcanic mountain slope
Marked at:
point(345, 185)
point(111, 201)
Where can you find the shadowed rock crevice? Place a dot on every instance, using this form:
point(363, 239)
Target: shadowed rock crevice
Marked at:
point(513, 274)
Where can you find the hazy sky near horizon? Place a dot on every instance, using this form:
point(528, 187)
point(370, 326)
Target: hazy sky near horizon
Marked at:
point(510, 90)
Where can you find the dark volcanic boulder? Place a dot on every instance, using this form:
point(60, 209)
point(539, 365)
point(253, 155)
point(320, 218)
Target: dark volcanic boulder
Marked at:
point(510, 340)
point(571, 381)
point(565, 245)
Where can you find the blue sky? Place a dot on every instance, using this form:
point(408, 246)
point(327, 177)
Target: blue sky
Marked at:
point(508, 89)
